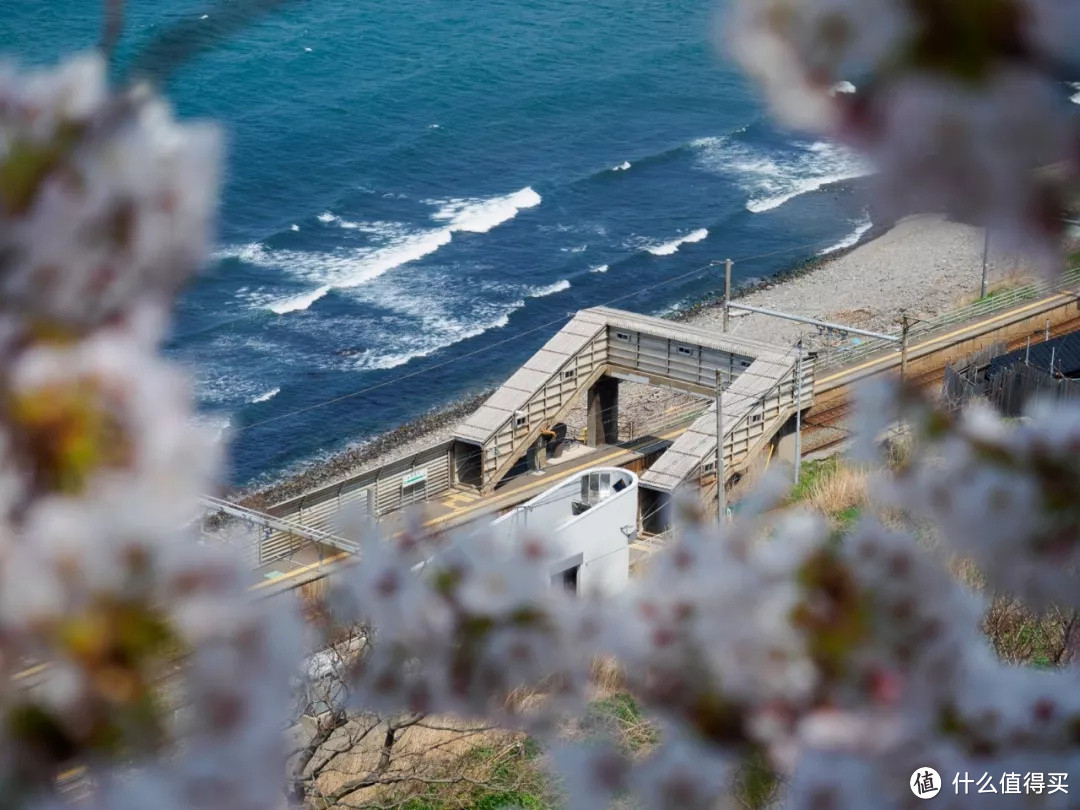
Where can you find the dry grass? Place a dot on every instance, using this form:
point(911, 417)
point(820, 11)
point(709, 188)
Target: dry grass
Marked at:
point(839, 493)
point(1022, 636)
point(607, 677)
point(439, 765)
point(1018, 634)
point(1013, 278)
point(860, 317)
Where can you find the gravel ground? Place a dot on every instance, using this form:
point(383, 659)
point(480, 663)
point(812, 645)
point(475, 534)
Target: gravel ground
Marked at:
point(924, 265)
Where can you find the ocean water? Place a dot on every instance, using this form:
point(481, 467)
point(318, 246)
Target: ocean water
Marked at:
point(418, 195)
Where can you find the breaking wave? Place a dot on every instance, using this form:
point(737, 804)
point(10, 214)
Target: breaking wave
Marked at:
point(479, 215)
point(437, 335)
point(342, 270)
point(851, 239)
point(771, 178)
point(354, 267)
point(668, 248)
point(267, 396)
point(299, 302)
point(550, 289)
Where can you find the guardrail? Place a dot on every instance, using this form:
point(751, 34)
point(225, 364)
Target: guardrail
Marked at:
point(993, 303)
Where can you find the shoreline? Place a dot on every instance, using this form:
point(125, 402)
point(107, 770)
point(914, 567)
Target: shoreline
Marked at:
point(920, 263)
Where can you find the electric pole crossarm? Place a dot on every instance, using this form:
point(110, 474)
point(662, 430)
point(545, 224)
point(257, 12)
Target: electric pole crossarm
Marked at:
point(836, 327)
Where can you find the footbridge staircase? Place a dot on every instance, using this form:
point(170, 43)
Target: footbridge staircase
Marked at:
point(590, 355)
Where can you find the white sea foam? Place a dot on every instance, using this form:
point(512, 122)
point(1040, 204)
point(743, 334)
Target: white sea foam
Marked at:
point(267, 396)
point(342, 270)
point(297, 303)
point(443, 333)
point(550, 289)
point(842, 88)
point(294, 227)
point(851, 239)
point(622, 167)
point(481, 215)
point(345, 269)
point(667, 248)
point(603, 268)
point(205, 17)
point(770, 179)
point(245, 253)
point(332, 219)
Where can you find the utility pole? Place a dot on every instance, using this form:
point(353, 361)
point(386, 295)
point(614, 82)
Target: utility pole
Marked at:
point(905, 325)
point(720, 494)
point(727, 291)
point(798, 411)
point(986, 250)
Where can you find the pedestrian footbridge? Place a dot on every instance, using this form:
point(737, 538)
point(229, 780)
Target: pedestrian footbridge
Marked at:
point(470, 475)
point(597, 349)
point(588, 358)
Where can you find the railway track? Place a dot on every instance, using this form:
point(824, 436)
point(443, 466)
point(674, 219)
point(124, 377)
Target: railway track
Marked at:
point(825, 426)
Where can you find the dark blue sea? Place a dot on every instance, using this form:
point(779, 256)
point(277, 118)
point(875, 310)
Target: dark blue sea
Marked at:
point(419, 194)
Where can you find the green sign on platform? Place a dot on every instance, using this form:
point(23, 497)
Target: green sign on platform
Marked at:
point(414, 478)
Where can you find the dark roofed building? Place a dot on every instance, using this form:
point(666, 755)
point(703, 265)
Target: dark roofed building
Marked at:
point(1064, 351)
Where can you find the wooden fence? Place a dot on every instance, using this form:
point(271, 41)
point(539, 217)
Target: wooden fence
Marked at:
point(1010, 390)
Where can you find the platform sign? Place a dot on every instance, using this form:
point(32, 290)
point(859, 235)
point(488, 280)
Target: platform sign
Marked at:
point(414, 478)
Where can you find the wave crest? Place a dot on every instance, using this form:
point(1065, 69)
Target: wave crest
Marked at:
point(427, 343)
point(481, 215)
point(267, 396)
point(341, 271)
point(851, 239)
point(338, 270)
point(771, 178)
point(668, 248)
point(550, 289)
